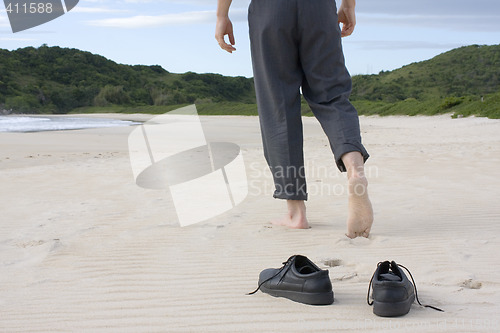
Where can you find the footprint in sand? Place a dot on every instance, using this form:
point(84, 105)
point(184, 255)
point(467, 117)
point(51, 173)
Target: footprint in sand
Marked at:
point(341, 272)
point(57, 244)
point(332, 262)
point(359, 241)
point(30, 243)
point(471, 284)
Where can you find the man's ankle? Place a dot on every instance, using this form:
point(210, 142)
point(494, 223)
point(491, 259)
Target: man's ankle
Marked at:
point(296, 207)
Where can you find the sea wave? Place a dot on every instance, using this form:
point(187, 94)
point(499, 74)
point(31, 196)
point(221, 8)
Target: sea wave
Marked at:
point(40, 124)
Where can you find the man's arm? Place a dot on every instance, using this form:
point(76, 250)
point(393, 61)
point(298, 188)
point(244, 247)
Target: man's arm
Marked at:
point(224, 26)
point(347, 16)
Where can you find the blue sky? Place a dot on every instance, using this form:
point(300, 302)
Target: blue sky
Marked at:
point(179, 34)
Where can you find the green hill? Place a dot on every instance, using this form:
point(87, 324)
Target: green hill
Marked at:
point(463, 81)
point(57, 80)
point(471, 70)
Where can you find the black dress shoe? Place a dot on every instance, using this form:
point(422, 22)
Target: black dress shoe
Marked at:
point(299, 280)
point(393, 294)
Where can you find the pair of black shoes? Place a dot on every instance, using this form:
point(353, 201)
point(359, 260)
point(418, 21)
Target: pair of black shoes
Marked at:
point(300, 280)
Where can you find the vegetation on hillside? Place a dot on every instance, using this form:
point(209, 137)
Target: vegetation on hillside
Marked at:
point(464, 81)
point(57, 80)
point(466, 71)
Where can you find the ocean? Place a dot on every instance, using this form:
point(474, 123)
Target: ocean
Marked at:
point(40, 124)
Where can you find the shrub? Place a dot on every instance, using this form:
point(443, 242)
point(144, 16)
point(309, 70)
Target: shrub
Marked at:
point(112, 95)
point(450, 102)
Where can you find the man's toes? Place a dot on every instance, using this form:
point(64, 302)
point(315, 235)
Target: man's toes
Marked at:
point(355, 234)
point(351, 235)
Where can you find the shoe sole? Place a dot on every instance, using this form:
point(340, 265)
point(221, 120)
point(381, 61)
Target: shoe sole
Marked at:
point(325, 298)
point(392, 309)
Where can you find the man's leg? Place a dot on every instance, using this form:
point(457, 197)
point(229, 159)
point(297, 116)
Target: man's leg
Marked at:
point(360, 218)
point(326, 87)
point(278, 77)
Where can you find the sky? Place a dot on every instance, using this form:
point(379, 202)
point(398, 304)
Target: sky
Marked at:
point(179, 34)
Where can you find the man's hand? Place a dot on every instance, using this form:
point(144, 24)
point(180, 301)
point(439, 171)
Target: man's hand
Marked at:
point(347, 16)
point(224, 27)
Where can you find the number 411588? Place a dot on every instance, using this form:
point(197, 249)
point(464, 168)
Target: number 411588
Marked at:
point(31, 8)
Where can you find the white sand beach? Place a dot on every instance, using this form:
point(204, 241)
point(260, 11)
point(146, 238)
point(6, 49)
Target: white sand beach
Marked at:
point(84, 249)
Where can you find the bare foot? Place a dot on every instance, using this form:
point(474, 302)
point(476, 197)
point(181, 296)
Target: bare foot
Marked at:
point(292, 222)
point(360, 218)
point(295, 217)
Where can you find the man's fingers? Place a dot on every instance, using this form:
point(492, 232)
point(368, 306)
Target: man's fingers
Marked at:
point(223, 45)
point(231, 38)
point(347, 30)
point(226, 47)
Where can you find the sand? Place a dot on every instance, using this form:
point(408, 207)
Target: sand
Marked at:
point(84, 249)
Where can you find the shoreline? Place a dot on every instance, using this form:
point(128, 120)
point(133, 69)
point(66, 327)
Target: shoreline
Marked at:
point(144, 117)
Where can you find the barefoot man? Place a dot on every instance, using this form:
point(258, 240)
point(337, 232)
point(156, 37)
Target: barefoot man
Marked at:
point(297, 44)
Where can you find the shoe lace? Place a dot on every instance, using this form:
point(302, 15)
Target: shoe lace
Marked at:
point(414, 287)
point(285, 264)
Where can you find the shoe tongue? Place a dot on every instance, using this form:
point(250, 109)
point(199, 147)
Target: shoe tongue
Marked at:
point(389, 277)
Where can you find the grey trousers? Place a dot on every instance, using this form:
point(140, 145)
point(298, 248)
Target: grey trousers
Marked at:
point(294, 44)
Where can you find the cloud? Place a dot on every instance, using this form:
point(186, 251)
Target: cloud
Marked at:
point(14, 39)
point(401, 45)
point(461, 15)
point(94, 10)
point(4, 21)
point(235, 3)
point(429, 7)
point(485, 23)
point(148, 21)
point(443, 14)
